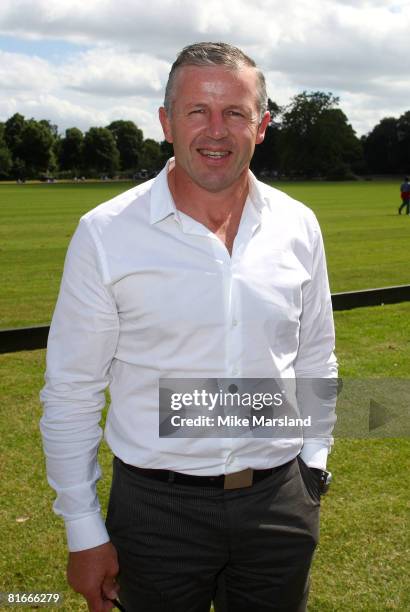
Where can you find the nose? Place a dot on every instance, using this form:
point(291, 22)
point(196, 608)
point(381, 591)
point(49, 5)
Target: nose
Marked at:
point(216, 127)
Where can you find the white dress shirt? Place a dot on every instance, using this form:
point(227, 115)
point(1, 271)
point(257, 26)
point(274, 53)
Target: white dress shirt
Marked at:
point(148, 293)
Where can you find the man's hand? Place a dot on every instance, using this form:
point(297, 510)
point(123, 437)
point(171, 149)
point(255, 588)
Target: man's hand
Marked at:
point(92, 573)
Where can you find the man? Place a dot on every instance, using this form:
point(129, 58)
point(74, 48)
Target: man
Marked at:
point(201, 273)
point(405, 196)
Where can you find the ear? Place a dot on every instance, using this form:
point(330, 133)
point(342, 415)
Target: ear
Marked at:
point(262, 127)
point(166, 124)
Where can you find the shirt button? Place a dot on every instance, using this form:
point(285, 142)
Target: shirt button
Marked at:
point(235, 371)
point(234, 323)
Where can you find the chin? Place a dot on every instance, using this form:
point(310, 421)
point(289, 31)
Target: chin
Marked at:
point(214, 181)
point(213, 185)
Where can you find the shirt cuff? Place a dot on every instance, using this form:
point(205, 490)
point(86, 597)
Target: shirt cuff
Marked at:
point(86, 532)
point(314, 454)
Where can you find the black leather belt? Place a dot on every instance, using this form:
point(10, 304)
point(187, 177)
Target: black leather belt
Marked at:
point(237, 480)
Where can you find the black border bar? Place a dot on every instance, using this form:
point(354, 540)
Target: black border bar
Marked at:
point(32, 338)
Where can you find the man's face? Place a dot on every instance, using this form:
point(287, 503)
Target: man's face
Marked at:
point(214, 124)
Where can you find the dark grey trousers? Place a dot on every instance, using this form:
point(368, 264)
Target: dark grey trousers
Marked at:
point(181, 547)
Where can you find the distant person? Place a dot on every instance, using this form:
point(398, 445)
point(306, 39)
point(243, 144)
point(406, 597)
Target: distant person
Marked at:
point(405, 195)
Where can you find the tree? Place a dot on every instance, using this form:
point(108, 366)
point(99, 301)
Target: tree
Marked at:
point(5, 155)
point(51, 127)
point(31, 145)
point(13, 129)
point(100, 151)
point(6, 162)
point(316, 139)
point(387, 146)
point(71, 150)
point(129, 140)
point(167, 151)
point(151, 155)
point(381, 147)
point(36, 147)
point(338, 151)
point(18, 169)
point(403, 145)
point(266, 156)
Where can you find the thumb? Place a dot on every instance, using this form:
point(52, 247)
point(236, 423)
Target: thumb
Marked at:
point(109, 587)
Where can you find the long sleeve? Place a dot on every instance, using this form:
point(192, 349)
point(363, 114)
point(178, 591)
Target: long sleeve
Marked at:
point(81, 345)
point(316, 362)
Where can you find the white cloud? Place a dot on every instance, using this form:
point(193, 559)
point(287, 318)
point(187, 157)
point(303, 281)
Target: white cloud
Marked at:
point(20, 73)
point(46, 106)
point(357, 49)
point(112, 73)
point(65, 113)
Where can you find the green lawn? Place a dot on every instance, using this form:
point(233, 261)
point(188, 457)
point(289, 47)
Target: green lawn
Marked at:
point(36, 223)
point(362, 562)
point(366, 241)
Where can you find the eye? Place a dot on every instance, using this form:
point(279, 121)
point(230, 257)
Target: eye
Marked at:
point(196, 111)
point(234, 113)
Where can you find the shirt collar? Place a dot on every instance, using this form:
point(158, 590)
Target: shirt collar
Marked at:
point(163, 205)
point(256, 193)
point(162, 202)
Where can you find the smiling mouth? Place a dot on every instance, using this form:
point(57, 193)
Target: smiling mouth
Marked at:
point(213, 154)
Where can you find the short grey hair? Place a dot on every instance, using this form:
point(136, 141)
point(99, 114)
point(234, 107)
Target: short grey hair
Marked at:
point(215, 54)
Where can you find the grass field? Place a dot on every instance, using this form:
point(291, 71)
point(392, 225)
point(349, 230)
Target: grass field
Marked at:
point(362, 563)
point(366, 241)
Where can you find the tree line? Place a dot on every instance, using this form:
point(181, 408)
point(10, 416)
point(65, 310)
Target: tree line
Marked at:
point(308, 138)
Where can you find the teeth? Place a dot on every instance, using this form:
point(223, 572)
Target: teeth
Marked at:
point(214, 153)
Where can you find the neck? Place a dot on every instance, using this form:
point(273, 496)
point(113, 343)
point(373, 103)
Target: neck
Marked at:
point(212, 209)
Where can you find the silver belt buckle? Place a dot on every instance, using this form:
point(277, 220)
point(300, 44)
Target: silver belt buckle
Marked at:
point(239, 480)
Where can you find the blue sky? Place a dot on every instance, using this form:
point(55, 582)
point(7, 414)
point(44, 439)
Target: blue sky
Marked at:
point(88, 63)
point(55, 51)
